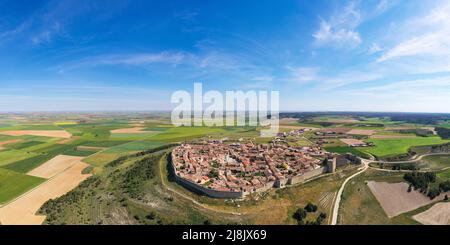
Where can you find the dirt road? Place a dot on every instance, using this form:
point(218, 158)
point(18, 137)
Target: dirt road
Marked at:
point(337, 202)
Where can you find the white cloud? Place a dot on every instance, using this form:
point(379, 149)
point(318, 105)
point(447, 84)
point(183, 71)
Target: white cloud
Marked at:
point(340, 29)
point(417, 86)
point(384, 5)
point(429, 36)
point(263, 78)
point(302, 74)
point(348, 78)
point(374, 48)
point(141, 59)
point(329, 34)
point(413, 95)
point(435, 44)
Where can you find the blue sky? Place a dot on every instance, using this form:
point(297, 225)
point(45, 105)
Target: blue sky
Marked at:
point(372, 55)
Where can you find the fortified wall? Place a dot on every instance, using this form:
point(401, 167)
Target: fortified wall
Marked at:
point(234, 195)
point(201, 189)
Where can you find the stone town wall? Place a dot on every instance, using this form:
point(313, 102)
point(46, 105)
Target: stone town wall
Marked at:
point(233, 194)
point(307, 175)
point(196, 187)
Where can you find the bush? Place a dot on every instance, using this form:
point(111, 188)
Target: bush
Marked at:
point(151, 216)
point(213, 174)
point(311, 208)
point(445, 186)
point(433, 192)
point(320, 218)
point(299, 215)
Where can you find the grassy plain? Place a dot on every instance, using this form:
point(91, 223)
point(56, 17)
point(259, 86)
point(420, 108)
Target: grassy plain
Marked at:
point(436, 162)
point(346, 149)
point(388, 147)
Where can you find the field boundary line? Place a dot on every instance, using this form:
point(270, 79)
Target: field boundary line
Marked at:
point(32, 189)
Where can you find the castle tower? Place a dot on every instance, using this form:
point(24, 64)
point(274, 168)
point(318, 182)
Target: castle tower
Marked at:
point(331, 165)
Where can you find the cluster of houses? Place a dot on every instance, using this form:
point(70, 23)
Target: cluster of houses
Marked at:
point(296, 132)
point(244, 167)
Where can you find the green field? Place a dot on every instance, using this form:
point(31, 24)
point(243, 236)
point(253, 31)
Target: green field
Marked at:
point(133, 146)
point(183, 133)
point(13, 184)
point(388, 147)
point(444, 175)
point(134, 136)
point(99, 159)
point(79, 153)
point(11, 156)
point(31, 127)
point(346, 149)
point(105, 143)
point(23, 145)
point(46, 154)
point(436, 162)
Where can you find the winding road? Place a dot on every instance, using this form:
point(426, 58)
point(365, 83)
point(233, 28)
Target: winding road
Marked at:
point(365, 166)
point(416, 159)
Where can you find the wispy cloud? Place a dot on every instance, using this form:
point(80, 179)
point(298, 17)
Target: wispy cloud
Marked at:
point(418, 86)
point(327, 82)
point(374, 48)
point(432, 40)
point(340, 29)
point(10, 34)
point(384, 5)
point(302, 75)
point(47, 34)
point(191, 62)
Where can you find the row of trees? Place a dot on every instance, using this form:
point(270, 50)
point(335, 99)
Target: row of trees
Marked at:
point(422, 181)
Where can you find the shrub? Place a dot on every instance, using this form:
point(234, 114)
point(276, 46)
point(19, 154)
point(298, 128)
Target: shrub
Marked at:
point(311, 208)
point(300, 214)
point(433, 192)
point(445, 186)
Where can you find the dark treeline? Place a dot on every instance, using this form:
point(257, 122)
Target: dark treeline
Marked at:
point(419, 118)
point(420, 181)
point(423, 183)
point(443, 132)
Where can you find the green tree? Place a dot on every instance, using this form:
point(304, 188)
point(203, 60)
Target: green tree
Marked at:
point(310, 208)
point(300, 214)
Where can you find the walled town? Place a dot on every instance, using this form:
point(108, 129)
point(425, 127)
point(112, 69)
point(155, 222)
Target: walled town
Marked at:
point(244, 167)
